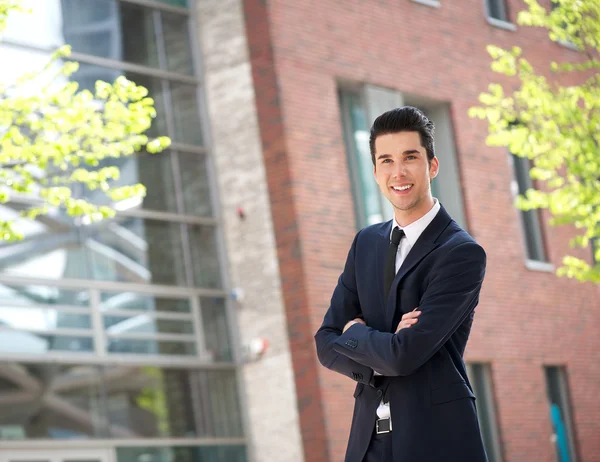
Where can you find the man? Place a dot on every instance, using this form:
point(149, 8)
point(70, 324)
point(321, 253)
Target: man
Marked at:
point(402, 311)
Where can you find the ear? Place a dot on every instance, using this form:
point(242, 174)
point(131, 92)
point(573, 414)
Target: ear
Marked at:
point(434, 168)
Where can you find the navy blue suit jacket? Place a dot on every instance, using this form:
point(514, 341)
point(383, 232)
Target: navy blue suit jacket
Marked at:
point(431, 400)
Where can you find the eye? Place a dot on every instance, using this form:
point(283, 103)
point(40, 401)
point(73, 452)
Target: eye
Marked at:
point(386, 160)
point(411, 157)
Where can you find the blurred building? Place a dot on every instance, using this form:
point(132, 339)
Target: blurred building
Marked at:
point(125, 341)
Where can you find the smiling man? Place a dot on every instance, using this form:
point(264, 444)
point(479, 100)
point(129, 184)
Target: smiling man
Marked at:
point(402, 311)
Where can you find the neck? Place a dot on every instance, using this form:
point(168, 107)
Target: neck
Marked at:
point(406, 217)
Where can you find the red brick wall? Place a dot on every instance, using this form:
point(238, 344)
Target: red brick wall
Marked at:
point(299, 51)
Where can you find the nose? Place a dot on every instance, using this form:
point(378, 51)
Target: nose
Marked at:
point(399, 170)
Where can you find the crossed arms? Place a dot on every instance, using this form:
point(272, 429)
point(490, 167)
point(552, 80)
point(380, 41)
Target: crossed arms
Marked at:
point(449, 299)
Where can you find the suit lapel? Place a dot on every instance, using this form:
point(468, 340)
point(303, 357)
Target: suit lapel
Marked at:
point(424, 245)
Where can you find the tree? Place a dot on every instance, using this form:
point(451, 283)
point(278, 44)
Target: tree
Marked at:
point(53, 137)
point(555, 125)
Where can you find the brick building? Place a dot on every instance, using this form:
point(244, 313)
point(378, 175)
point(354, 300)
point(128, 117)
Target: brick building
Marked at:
point(125, 339)
point(322, 71)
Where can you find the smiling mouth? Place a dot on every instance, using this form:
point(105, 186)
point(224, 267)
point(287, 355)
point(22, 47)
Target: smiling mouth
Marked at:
point(402, 189)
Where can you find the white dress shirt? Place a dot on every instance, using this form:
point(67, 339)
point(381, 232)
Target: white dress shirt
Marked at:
point(411, 234)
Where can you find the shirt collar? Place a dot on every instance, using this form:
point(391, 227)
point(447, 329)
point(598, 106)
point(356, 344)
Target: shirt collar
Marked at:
point(416, 228)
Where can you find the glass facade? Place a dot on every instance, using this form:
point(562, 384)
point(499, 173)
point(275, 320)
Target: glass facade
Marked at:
point(121, 329)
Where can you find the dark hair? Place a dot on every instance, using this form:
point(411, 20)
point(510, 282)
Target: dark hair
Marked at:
point(404, 119)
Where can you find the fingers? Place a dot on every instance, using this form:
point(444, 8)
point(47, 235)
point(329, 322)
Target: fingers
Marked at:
point(361, 321)
point(412, 314)
point(408, 320)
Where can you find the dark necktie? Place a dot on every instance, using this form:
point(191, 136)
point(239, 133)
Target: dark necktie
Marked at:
point(390, 261)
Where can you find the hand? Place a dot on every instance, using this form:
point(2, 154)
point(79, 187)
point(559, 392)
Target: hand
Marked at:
point(354, 321)
point(408, 320)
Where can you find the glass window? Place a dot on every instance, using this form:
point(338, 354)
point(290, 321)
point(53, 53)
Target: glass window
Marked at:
point(124, 249)
point(185, 113)
point(216, 330)
point(41, 319)
point(367, 197)
point(532, 227)
point(127, 32)
point(55, 401)
point(14, 341)
point(45, 295)
point(150, 347)
point(177, 44)
point(497, 9)
point(52, 248)
point(480, 377)
point(140, 302)
point(194, 184)
point(79, 401)
point(182, 454)
point(152, 170)
point(88, 74)
point(560, 413)
point(132, 249)
point(182, 3)
point(144, 323)
point(203, 243)
point(219, 410)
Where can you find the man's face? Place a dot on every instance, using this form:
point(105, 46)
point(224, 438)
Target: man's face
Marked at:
point(404, 174)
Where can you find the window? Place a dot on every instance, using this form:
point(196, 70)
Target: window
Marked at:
point(560, 413)
point(480, 377)
point(359, 107)
point(368, 200)
point(497, 9)
point(530, 220)
point(85, 401)
point(595, 245)
point(128, 32)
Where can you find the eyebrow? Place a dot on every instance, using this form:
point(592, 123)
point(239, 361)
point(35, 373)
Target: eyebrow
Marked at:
point(405, 153)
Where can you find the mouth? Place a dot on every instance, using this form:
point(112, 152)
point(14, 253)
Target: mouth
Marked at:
point(400, 190)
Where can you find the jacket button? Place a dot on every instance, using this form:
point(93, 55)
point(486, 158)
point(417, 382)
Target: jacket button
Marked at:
point(379, 393)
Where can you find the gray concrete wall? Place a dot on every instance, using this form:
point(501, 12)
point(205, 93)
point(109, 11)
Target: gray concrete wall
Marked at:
point(270, 396)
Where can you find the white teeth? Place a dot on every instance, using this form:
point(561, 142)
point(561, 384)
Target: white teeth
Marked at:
point(402, 188)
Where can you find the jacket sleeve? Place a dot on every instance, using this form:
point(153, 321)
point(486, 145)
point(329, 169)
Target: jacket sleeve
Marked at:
point(449, 299)
point(344, 306)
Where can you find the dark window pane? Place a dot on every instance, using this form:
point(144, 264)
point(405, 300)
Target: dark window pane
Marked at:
point(150, 347)
point(139, 302)
point(177, 44)
point(151, 402)
point(183, 454)
point(480, 378)
point(110, 29)
point(560, 413)
point(185, 113)
point(203, 243)
point(497, 9)
point(146, 324)
point(531, 218)
point(63, 404)
point(219, 404)
point(138, 36)
point(194, 184)
point(136, 250)
point(216, 332)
